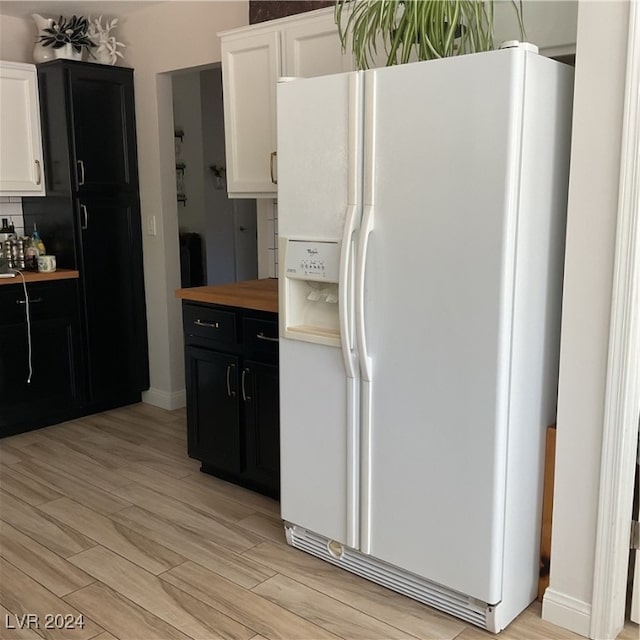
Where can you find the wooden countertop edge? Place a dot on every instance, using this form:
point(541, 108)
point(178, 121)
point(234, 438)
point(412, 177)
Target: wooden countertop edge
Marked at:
point(259, 295)
point(36, 276)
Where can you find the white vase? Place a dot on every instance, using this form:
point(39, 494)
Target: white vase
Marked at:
point(40, 52)
point(68, 52)
point(101, 55)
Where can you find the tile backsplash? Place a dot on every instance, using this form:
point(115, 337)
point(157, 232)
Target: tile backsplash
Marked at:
point(11, 207)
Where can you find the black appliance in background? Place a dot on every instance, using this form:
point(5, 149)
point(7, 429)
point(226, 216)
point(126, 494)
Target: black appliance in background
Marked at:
point(90, 219)
point(191, 264)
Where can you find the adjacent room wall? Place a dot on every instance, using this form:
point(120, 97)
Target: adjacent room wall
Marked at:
point(163, 38)
point(591, 228)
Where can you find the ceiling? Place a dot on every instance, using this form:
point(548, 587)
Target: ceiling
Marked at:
point(54, 8)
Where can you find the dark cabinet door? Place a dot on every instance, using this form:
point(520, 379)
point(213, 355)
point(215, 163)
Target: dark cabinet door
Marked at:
point(39, 374)
point(113, 290)
point(213, 420)
point(103, 129)
point(259, 383)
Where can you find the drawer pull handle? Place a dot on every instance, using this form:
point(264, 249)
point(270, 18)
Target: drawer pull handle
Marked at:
point(261, 336)
point(210, 325)
point(230, 393)
point(38, 173)
point(272, 158)
point(31, 301)
point(245, 397)
point(84, 225)
point(81, 173)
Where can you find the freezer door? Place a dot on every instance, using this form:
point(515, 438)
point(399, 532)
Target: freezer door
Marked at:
point(440, 195)
point(319, 200)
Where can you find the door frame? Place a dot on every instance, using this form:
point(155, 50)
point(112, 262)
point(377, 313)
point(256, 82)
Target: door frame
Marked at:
point(622, 395)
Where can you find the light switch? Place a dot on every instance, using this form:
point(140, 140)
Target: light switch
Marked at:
point(151, 225)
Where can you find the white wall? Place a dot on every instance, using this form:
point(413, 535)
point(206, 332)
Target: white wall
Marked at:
point(219, 209)
point(160, 39)
point(187, 116)
point(17, 38)
point(593, 196)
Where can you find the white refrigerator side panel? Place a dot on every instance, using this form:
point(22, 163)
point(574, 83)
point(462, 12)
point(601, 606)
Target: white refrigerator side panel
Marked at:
point(536, 325)
point(443, 186)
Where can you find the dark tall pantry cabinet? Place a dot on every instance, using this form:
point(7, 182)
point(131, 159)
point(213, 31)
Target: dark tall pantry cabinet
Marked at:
point(90, 219)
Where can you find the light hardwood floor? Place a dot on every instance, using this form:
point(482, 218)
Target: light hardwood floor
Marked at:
point(106, 517)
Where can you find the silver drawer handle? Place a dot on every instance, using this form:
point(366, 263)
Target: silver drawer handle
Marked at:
point(261, 336)
point(31, 301)
point(245, 397)
point(81, 175)
point(211, 325)
point(229, 392)
point(272, 158)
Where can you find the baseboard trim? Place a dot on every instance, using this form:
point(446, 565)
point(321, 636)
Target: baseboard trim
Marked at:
point(164, 399)
point(567, 612)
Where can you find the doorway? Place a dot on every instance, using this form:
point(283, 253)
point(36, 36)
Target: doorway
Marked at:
point(217, 235)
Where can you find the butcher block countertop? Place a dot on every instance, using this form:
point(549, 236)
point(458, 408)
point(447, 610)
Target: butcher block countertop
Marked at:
point(36, 276)
point(261, 295)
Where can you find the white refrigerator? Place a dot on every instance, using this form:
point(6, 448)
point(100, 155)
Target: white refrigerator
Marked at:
point(421, 219)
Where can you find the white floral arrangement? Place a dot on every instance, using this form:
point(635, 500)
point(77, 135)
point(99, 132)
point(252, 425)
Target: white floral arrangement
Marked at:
point(106, 45)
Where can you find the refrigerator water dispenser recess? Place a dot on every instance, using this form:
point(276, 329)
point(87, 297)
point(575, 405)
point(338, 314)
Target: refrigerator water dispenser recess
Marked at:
point(311, 273)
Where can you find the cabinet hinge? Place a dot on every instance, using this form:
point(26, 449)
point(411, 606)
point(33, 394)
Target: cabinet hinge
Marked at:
point(635, 535)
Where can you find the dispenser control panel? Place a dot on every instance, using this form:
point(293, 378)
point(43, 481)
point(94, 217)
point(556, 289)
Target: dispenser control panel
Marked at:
point(309, 260)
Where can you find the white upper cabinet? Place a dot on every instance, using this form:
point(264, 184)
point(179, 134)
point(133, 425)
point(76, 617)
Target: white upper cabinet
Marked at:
point(307, 45)
point(253, 58)
point(250, 71)
point(21, 164)
point(312, 48)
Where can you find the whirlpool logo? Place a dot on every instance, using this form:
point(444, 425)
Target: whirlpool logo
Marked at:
point(312, 252)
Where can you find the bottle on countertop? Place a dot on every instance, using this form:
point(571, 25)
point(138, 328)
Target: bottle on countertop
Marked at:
point(31, 254)
point(34, 247)
point(37, 241)
point(7, 230)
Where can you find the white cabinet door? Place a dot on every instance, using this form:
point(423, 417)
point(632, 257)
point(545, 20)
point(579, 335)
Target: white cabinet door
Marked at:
point(251, 66)
point(312, 48)
point(250, 71)
point(21, 167)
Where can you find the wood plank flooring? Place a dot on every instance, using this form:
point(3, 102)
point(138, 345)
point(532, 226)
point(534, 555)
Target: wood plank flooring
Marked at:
point(107, 518)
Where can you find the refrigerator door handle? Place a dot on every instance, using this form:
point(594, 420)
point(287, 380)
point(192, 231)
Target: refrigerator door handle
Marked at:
point(346, 291)
point(365, 233)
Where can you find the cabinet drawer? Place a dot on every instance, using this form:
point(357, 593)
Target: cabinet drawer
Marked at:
point(210, 323)
point(46, 300)
point(260, 336)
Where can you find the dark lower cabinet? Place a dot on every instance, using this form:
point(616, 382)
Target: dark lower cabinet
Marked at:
point(113, 314)
point(40, 360)
point(262, 421)
point(214, 411)
point(233, 418)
